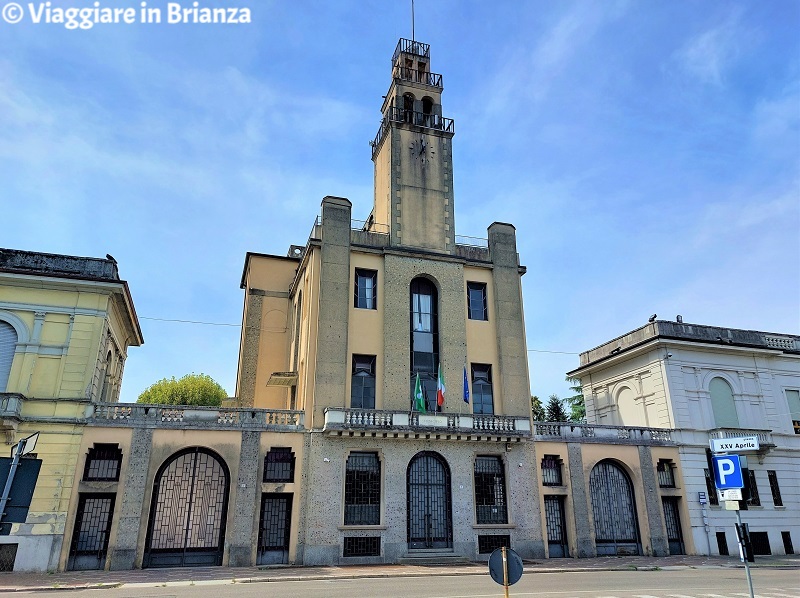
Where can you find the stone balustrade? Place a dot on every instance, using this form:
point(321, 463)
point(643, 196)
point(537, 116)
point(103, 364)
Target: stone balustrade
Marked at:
point(181, 416)
point(573, 432)
point(764, 436)
point(455, 426)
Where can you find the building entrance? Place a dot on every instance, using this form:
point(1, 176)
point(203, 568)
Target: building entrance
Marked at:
point(430, 518)
point(188, 510)
point(615, 525)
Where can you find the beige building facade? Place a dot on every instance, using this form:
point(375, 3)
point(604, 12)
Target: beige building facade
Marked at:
point(337, 447)
point(66, 324)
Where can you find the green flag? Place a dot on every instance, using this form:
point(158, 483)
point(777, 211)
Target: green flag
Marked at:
point(419, 398)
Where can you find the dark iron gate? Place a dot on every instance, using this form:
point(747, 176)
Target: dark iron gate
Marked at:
point(673, 522)
point(188, 510)
point(90, 536)
point(556, 526)
point(273, 530)
point(615, 525)
point(430, 518)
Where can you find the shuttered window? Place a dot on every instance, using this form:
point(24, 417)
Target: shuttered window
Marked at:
point(8, 344)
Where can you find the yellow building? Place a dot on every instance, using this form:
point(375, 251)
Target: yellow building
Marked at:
point(65, 327)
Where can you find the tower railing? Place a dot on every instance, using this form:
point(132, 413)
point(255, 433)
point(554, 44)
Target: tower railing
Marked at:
point(420, 119)
point(417, 76)
point(409, 46)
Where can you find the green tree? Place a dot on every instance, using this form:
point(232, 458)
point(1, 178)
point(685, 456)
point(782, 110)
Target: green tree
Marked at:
point(555, 410)
point(192, 389)
point(577, 406)
point(537, 409)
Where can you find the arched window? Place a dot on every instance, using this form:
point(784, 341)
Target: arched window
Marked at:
point(722, 404)
point(8, 345)
point(408, 107)
point(424, 339)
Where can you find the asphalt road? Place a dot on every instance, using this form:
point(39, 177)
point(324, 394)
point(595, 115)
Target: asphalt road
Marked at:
point(694, 583)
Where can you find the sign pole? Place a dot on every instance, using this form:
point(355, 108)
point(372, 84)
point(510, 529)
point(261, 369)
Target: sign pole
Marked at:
point(505, 572)
point(11, 473)
point(744, 552)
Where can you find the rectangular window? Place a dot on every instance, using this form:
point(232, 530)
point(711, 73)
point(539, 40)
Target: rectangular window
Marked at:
point(793, 398)
point(362, 546)
point(488, 544)
point(490, 491)
point(103, 463)
point(476, 301)
point(666, 473)
point(750, 490)
point(787, 542)
point(482, 401)
point(760, 543)
point(362, 489)
point(279, 465)
point(362, 385)
point(722, 544)
point(776, 490)
point(366, 289)
point(711, 489)
point(551, 471)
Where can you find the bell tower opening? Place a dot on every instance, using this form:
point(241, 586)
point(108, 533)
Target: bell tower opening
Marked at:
point(412, 153)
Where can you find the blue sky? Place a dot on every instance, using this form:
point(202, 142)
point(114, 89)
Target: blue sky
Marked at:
point(648, 154)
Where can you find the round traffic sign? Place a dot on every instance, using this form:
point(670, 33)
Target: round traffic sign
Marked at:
point(514, 566)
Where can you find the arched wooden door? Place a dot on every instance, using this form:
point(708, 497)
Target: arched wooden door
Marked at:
point(430, 516)
point(188, 511)
point(616, 527)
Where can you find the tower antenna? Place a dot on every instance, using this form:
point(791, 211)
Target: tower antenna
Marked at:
point(412, 21)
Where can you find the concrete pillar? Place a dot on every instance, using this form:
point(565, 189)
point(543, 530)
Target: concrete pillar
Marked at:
point(584, 542)
point(132, 511)
point(653, 507)
point(510, 322)
point(243, 536)
point(335, 298)
point(251, 338)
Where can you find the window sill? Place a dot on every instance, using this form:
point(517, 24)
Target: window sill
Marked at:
point(353, 528)
point(494, 526)
point(779, 508)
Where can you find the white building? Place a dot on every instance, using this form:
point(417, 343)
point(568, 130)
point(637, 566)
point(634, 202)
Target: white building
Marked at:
point(708, 382)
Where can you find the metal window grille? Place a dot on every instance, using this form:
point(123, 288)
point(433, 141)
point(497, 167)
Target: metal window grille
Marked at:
point(666, 473)
point(490, 491)
point(476, 299)
point(8, 555)
point(760, 543)
point(362, 546)
point(551, 471)
point(362, 489)
point(279, 465)
point(722, 544)
point(711, 489)
point(487, 544)
point(776, 489)
point(366, 289)
point(103, 463)
point(787, 542)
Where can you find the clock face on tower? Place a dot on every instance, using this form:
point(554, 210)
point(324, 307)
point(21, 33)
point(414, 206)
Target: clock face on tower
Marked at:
point(420, 150)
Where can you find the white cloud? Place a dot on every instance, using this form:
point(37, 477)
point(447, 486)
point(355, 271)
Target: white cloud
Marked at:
point(710, 54)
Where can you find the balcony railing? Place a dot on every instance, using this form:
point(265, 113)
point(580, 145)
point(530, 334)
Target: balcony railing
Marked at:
point(10, 405)
point(764, 436)
point(467, 425)
point(161, 416)
point(409, 46)
point(591, 433)
point(418, 76)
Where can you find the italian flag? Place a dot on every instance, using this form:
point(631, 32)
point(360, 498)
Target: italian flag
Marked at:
point(440, 388)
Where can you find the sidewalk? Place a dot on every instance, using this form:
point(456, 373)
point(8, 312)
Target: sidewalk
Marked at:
point(11, 582)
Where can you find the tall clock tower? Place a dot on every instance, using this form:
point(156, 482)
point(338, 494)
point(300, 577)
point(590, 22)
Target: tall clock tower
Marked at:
point(413, 156)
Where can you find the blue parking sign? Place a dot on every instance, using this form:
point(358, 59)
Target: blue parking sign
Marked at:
point(727, 472)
